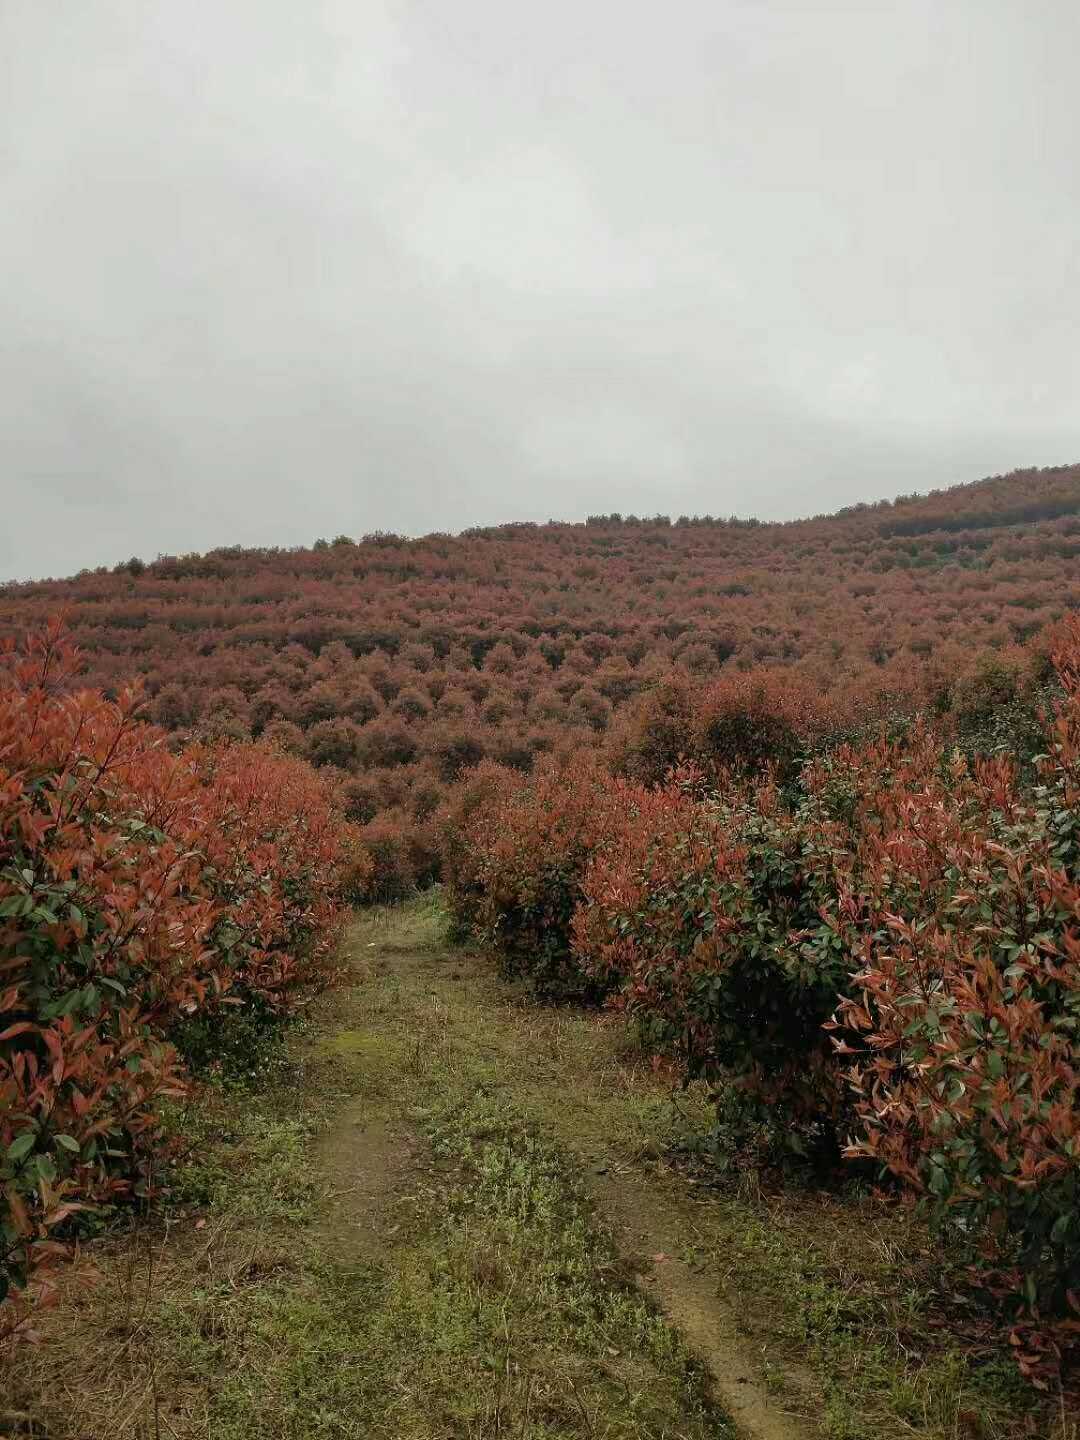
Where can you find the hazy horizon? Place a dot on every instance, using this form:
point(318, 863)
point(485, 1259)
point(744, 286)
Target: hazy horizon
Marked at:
point(307, 542)
point(272, 274)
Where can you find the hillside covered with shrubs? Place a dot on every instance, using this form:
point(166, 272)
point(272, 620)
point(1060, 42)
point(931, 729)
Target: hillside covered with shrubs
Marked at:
point(800, 800)
point(395, 665)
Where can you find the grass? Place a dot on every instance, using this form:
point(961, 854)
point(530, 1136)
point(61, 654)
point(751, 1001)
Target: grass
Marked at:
point(483, 1298)
point(842, 1294)
point(495, 1307)
point(441, 1218)
point(851, 1313)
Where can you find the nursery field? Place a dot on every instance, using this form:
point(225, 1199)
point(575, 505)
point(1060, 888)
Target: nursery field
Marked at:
point(397, 664)
point(612, 980)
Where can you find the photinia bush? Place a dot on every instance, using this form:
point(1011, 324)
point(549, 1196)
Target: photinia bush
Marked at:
point(713, 914)
point(515, 859)
point(137, 888)
point(886, 948)
point(391, 870)
point(967, 1008)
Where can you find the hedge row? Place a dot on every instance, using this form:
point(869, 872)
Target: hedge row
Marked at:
point(882, 953)
point(138, 888)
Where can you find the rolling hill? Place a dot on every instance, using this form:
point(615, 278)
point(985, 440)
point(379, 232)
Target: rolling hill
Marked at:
point(398, 662)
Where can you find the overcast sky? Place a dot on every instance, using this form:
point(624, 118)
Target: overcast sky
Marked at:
point(274, 269)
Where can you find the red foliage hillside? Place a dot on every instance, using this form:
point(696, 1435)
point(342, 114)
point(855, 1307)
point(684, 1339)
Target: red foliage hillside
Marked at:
point(401, 662)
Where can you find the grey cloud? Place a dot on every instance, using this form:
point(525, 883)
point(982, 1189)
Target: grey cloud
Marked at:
point(269, 271)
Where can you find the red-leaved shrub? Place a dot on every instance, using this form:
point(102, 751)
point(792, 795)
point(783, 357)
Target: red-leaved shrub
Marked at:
point(515, 861)
point(137, 887)
point(882, 950)
point(967, 1007)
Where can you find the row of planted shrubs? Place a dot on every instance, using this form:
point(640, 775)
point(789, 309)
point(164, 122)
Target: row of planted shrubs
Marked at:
point(877, 947)
point(768, 713)
point(141, 892)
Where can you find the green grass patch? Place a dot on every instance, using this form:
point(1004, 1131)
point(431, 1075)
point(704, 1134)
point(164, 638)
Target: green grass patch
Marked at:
point(501, 1309)
point(845, 1287)
point(488, 1299)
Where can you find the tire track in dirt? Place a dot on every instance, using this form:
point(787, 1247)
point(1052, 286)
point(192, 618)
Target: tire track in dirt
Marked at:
point(648, 1235)
point(369, 1151)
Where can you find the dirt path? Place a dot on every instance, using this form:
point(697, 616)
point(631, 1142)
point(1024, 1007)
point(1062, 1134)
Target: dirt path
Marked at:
point(645, 1229)
point(446, 1012)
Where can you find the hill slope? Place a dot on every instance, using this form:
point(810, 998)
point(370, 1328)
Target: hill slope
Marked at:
point(400, 661)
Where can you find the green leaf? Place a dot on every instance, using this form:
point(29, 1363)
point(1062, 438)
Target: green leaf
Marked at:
point(21, 1146)
point(68, 1142)
point(1061, 1227)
